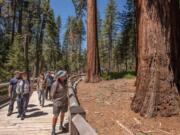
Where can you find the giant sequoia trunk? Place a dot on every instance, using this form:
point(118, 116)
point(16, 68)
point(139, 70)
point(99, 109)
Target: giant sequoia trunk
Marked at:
point(93, 65)
point(158, 58)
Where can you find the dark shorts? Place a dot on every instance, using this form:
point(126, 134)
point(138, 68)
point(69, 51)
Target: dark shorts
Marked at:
point(57, 109)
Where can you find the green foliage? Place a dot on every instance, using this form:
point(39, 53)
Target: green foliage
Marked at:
point(80, 7)
point(52, 54)
point(4, 49)
point(117, 75)
point(4, 74)
point(107, 30)
point(72, 45)
point(125, 50)
point(110, 18)
point(16, 55)
point(44, 30)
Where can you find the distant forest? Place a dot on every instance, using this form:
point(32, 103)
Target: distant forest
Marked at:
point(30, 38)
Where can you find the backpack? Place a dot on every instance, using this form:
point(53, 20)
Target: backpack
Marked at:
point(26, 87)
point(19, 87)
point(22, 87)
point(49, 80)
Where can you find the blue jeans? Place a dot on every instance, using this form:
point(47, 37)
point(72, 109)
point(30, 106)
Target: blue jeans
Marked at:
point(11, 102)
point(22, 101)
point(47, 93)
point(41, 97)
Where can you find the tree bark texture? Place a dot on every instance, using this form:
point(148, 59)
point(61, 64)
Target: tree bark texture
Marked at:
point(93, 64)
point(158, 58)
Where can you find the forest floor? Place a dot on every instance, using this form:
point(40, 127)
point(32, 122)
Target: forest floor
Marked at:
point(107, 106)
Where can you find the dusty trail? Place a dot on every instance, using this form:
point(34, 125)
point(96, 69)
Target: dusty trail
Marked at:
point(108, 110)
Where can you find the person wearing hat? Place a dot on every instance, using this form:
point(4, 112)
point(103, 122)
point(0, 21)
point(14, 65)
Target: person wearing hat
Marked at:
point(12, 91)
point(60, 100)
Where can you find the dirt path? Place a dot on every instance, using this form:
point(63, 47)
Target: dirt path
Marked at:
point(108, 109)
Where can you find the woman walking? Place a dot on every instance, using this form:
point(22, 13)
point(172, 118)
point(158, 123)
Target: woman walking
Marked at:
point(41, 89)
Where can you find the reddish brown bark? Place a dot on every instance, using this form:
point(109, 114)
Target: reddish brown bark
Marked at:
point(157, 91)
point(93, 65)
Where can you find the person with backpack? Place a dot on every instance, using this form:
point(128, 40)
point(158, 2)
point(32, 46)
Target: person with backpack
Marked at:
point(41, 89)
point(12, 91)
point(48, 82)
point(60, 100)
point(23, 90)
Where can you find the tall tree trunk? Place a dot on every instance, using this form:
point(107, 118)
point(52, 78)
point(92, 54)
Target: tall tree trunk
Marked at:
point(39, 39)
point(93, 64)
point(176, 40)
point(158, 35)
point(26, 52)
point(20, 16)
point(14, 21)
point(110, 50)
point(37, 63)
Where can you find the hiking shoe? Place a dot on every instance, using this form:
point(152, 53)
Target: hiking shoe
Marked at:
point(9, 114)
point(53, 132)
point(62, 129)
point(22, 117)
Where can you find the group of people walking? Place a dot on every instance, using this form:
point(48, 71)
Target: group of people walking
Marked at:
point(19, 90)
point(50, 86)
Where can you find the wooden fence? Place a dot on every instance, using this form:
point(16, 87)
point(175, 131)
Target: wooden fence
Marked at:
point(78, 124)
point(3, 92)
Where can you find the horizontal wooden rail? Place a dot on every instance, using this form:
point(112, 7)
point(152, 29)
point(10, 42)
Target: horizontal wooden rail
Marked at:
point(73, 101)
point(2, 85)
point(6, 84)
point(82, 126)
point(78, 125)
point(3, 93)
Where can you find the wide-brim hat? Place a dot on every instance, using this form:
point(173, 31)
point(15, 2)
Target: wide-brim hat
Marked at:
point(61, 73)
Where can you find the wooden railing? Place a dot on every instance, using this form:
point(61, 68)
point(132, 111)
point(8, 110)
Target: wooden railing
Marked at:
point(78, 124)
point(3, 92)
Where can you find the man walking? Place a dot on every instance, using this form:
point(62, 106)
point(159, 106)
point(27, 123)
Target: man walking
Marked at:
point(60, 100)
point(12, 91)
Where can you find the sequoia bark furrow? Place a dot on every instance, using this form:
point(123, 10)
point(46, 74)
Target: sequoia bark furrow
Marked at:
point(157, 92)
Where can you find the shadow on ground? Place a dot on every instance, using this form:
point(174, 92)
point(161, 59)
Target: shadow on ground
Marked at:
point(33, 110)
point(37, 114)
point(49, 105)
point(31, 105)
